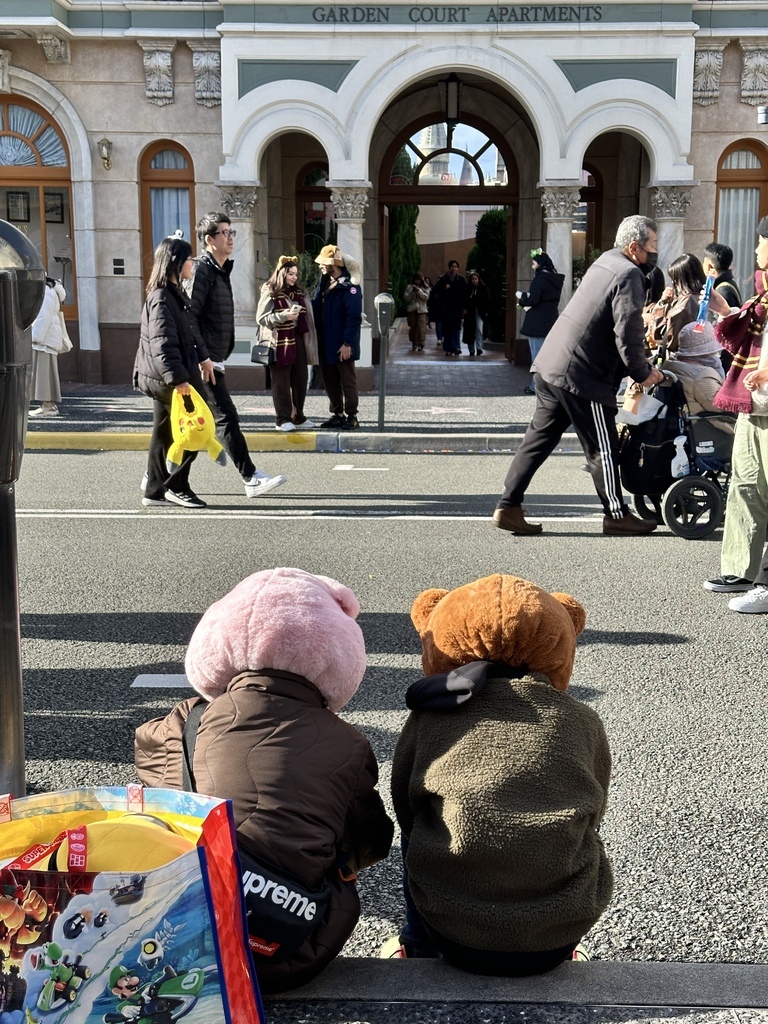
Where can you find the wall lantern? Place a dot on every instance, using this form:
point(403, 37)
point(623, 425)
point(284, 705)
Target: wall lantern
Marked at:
point(452, 87)
point(105, 152)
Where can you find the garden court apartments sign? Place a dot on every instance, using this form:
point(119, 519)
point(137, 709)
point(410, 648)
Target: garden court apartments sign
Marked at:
point(124, 121)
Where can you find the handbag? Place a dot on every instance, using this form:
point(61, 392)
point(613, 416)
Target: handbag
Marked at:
point(112, 931)
point(263, 354)
point(281, 912)
point(192, 428)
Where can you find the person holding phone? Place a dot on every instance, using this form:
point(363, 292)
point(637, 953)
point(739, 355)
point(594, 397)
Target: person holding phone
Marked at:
point(285, 320)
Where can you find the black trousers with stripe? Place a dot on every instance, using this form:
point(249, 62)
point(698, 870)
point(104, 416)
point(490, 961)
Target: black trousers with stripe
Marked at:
point(595, 427)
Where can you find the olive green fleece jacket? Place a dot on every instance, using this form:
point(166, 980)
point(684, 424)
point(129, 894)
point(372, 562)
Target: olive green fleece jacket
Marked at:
point(501, 799)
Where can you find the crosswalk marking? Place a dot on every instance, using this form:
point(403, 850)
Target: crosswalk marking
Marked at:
point(162, 682)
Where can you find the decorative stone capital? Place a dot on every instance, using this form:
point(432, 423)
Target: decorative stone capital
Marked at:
point(5, 70)
point(708, 64)
point(206, 64)
point(239, 201)
point(158, 71)
point(560, 202)
point(671, 201)
point(56, 50)
point(349, 202)
point(754, 74)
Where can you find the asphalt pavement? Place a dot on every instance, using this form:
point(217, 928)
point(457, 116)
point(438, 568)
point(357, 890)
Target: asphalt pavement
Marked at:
point(110, 591)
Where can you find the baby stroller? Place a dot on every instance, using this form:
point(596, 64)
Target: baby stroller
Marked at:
point(691, 506)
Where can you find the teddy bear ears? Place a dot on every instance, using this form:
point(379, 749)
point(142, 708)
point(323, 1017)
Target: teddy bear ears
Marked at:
point(427, 601)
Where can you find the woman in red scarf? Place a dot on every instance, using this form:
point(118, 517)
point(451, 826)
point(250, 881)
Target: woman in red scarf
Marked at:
point(285, 321)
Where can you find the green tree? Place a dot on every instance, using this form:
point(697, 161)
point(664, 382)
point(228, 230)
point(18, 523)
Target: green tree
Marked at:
point(404, 252)
point(488, 256)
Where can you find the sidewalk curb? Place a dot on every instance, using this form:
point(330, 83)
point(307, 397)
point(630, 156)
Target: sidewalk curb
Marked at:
point(593, 983)
point(306, 441)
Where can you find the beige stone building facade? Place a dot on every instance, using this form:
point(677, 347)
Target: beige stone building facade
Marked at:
point(123, 121)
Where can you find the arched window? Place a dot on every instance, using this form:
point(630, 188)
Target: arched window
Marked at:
point(35, 189)
point(742, 199)
point(427, 159)
point(315, 226)
point(167, 179)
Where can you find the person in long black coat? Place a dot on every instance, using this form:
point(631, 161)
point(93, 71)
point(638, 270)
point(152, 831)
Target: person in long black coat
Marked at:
point(541, 305)
point(167, 360)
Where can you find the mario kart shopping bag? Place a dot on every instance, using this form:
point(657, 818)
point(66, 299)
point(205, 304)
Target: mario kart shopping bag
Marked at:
point(122, 904)
point(192, 428)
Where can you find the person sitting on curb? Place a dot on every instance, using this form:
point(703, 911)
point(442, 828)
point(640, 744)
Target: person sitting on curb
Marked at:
point(499, 783)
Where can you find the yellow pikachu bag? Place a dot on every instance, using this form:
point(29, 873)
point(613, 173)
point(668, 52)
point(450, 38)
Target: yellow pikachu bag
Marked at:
point(193, 428)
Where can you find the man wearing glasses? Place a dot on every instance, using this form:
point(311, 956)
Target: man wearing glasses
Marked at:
point(212, 316)
point(598, 339)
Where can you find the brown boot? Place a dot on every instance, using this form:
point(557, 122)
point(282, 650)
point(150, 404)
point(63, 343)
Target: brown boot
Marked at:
point(512, 519)
point(628, 526)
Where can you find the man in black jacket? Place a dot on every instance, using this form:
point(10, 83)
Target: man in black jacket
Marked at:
point(717, 260)
point(598, 339)
point(212, 317)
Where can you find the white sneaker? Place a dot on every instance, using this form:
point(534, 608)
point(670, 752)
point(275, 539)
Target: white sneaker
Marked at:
point(307, 425)
point(754, 601)
point(260, 483)
point(43, 411)
point(286, 427)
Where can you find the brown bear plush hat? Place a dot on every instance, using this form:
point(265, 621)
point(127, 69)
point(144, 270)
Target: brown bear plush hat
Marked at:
point(500, 619)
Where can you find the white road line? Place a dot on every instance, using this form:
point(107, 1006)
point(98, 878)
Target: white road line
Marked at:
point(363, 469)
point(314, 514)
point(162, 682)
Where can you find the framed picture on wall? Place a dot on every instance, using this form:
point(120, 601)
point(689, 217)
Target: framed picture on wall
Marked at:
point(18, 207)
point(54, 207)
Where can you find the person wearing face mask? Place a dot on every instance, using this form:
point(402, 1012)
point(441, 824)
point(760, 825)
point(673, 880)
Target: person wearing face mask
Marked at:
point(597, 339)
point(285, 317)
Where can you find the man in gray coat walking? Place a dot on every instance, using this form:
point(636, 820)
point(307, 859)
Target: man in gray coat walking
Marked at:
point(597, 340)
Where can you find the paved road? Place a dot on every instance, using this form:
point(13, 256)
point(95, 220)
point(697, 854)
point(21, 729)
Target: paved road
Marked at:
point(109, 591)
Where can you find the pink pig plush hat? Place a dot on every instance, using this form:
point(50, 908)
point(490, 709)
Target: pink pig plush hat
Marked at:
point(284, 619)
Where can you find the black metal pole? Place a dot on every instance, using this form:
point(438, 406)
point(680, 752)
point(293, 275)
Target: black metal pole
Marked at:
point(11, 698)
point(383, 353)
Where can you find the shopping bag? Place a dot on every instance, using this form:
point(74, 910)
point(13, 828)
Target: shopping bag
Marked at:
point(84, 944)
point(192, 427)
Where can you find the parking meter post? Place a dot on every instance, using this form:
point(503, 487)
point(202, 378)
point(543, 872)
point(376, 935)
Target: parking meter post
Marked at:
point(22, 286)
point(384, 304)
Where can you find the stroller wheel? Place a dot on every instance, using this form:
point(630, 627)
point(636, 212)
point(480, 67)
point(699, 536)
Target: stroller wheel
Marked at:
point(693, 507)
point(648, 506)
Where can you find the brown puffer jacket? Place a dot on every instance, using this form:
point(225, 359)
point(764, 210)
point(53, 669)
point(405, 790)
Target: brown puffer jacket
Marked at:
point(302, 783)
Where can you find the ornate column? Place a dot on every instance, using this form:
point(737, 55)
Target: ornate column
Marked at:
point(560, 203)
point(239, 203)
point(670, 204)
point(350, 198)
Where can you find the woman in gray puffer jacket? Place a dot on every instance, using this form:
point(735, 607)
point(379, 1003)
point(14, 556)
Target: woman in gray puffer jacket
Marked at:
point(167, 360)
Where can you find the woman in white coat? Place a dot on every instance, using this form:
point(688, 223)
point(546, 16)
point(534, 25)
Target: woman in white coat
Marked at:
point(49, 340)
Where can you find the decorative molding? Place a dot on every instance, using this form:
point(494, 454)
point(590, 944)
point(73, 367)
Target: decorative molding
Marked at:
point(349, 203)
point(560, 202)
point(5, 70)
point(708, 64)
point(158, 71)
point(671, 201)
point(239, 201)
point(55, 48)
point(754, 75)
point(206, 64)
